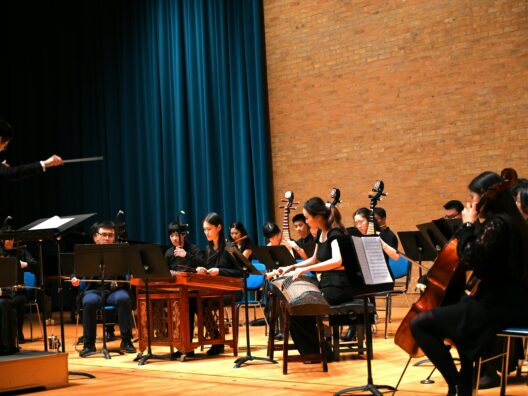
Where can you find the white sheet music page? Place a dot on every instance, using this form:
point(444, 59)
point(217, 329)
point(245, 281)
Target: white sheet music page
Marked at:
point(372, 261)
point(51, 223)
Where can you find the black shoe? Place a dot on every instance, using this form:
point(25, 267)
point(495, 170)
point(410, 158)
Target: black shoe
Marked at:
point(178, 354)
point(21, 339)
point(489, 381)
point(279, 337)
point(110, 336)
point(127, 346)
point(216, 350)
point(87, 350)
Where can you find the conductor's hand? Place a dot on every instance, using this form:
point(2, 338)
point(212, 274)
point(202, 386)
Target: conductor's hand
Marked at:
point(52, 161)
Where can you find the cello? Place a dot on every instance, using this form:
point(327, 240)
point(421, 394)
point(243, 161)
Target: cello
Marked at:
point(446, 278)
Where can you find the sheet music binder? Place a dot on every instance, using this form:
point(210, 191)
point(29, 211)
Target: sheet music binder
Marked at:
point(370, 265)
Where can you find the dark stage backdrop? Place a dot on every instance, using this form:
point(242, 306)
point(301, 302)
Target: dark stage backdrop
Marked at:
point(171, 93)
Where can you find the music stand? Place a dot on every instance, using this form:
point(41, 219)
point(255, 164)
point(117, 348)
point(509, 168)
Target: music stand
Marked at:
point(376, 283)
point(102, 261)
point(48, 229)
point(417, 248)
point(274, 256)
point(447, 226)
point(151, 266)
point(433, 235)
point(247, 268)
point(8, 272)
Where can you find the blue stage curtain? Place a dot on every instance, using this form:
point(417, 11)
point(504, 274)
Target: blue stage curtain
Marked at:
point(172, 94)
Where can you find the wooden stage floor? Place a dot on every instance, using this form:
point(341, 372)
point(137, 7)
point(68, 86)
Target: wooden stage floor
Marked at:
point(216, 376)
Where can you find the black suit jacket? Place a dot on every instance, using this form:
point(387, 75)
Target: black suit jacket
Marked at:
point(12, 173)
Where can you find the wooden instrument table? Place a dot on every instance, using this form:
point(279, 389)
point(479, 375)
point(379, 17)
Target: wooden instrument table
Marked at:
point(169, 311)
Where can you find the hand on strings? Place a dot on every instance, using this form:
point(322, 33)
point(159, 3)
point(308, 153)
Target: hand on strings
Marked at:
point(213, 271)
point(173, 273)
point(470, 213)
point(284, 270)
point(298, 272)
point(52, 161)
point(201, 270)
point(292, 244)
point(23, 264)
point(179, 252)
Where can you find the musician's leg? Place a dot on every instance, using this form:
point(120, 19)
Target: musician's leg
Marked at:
point(91, 301)
point(429, 334)
point(121, 300)
point(19, 303)
point(303, 330)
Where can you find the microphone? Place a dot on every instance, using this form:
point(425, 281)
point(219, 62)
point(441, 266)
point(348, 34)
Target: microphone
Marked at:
point(119, 213)
point(7, 219)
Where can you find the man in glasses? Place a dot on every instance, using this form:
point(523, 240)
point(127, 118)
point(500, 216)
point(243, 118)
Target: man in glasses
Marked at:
point(453, 209)
point(114, 294)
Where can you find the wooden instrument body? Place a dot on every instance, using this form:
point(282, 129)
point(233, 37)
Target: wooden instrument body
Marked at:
point(301, 296)
point(446, 280)
point(169, 311)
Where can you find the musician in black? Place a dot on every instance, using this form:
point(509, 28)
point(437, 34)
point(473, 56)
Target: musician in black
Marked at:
point(219, 261)
point(11, 173)
point(305, 237)
point(184, 256)
point(113, 294)
point(27, 264)
point(497, 251)
point(239, 236)
point(520, 193)
point(333, 252)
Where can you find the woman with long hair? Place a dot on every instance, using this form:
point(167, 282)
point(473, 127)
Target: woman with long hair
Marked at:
point(493, 242)
point(239, 236)
point(219, 261)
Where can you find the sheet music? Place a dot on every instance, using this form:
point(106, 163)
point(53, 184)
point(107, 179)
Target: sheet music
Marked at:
point(372, 261)
point(51, 223)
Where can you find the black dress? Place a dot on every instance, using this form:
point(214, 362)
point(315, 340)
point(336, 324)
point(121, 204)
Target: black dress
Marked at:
point(494, 252)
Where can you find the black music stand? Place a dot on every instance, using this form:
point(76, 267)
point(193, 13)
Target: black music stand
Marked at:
point(374, 286)
point(447, 226)
point(151, 266)
point(273, 256)
point(417, 248)
point(433, 235)
point(247, 268)
point(102, 261)
point(50, 229)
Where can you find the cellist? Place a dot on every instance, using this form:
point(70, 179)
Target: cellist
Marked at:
point(497, 251)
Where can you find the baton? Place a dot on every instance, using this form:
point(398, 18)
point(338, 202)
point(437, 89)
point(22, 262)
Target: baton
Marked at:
point(87, 159)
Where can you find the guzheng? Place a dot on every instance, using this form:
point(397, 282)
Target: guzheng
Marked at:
point(302, 296)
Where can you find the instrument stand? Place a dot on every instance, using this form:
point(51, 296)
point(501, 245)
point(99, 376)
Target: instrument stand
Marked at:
point(143, 357)
point(43, 297)
point(247, 268)
point(370, 386)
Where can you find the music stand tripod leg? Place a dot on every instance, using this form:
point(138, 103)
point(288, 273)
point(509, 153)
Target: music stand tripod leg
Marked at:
point(370, 387)
point(248, 358)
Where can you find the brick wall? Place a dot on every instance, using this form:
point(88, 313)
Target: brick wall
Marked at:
point(421, 94)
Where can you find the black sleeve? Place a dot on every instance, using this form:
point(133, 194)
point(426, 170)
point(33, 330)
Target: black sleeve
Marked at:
point(228, 267)
point(13, 173)
point(390, 239)
point(32, 263)
point(195, 257)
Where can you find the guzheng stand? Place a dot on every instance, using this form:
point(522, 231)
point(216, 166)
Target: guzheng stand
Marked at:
point(152, 265)
point(370, 386)
point(103, 261)
point(247, 268)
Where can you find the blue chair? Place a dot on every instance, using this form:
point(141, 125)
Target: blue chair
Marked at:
point(255, 283)
point(401, 274)
point(30, 280)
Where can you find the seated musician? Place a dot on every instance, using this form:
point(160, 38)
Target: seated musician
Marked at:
point(219, 262)
point(520, 193)
point(113, 294)
point(27, 263)
point(498, 254)
point(273, 234)
point(453, 209)
point(299, 223)
point(183, 256)
point(239, 236)
point(333, 252)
